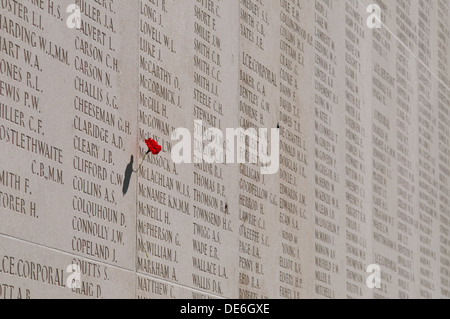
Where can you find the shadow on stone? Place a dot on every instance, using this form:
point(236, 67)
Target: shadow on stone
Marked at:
point(128, 174)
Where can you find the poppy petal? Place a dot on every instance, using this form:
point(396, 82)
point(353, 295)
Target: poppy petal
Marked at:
point(153, 146)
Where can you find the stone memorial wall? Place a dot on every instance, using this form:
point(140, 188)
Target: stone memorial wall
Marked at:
point(361, 106)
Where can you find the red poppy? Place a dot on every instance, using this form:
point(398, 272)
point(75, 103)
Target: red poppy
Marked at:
point(153, 146)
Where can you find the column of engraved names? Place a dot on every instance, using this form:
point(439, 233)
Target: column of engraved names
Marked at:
point(383, 155)
point(355, 153)
point(103, 216)
point(443, 56)
point(211, 223)
point(294, 40)
point(163, 198)
point(326, 177)
point(427, 143)
point(22, 126)
point(406, 214)
point(99, 220)
point(256, 78)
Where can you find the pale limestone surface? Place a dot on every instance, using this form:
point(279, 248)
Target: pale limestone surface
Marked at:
point(364, 153)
